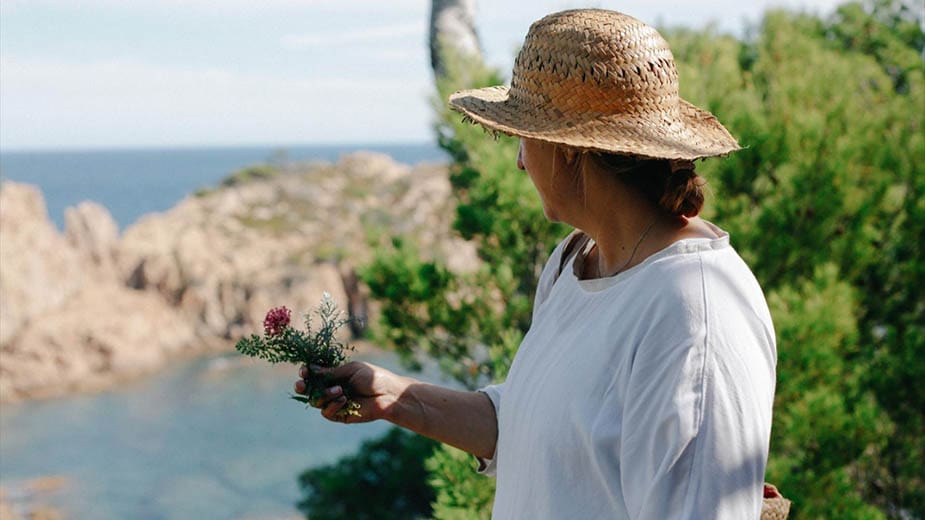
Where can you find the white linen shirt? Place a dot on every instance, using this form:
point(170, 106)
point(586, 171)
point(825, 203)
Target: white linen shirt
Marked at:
point(646, 395)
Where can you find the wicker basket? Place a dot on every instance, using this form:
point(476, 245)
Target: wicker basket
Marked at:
point(775, 506)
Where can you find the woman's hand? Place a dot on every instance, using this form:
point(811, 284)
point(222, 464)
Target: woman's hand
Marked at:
point(374, 388)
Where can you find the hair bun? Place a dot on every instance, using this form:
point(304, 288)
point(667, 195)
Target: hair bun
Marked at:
point(683, 195)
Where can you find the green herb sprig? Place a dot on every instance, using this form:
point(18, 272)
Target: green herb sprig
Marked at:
point(282, 343)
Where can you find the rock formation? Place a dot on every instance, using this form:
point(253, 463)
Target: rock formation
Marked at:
point(38, 268)
point(86, 308)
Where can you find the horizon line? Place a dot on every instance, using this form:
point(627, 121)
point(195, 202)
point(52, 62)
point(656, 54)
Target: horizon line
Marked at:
point(181, 146)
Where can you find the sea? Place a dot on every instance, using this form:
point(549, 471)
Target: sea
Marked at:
point(210, 438)
point(215, 437)
point(133, 182)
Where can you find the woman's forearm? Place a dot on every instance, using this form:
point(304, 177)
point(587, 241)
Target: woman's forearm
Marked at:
point(465, 420)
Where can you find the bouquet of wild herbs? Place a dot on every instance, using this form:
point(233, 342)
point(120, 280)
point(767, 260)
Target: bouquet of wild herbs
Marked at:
point(282, 343)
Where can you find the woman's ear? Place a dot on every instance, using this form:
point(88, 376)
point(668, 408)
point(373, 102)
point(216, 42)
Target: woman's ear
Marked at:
point(567, 161)
point(565, 156)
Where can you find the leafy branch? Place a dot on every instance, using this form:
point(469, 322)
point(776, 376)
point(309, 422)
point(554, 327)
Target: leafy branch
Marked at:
point(281, 343)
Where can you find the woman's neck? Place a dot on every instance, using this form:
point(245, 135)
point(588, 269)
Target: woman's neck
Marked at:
point(626, 228)
point(622, 246)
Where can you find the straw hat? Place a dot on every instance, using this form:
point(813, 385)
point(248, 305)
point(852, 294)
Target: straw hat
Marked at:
point(598, 80)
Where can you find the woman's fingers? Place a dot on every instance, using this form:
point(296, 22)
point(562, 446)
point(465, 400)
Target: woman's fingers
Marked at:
point(301, 387)
point(306, 371)
point(340, 373)
point(333, 393)
point(329, 374)
point(332, 407)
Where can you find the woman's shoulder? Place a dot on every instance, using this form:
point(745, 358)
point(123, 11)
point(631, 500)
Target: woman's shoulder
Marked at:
point(699, 272)
point(710, 281)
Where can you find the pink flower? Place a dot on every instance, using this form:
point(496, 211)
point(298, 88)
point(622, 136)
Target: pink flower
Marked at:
point(276, 321)
point(770, 491)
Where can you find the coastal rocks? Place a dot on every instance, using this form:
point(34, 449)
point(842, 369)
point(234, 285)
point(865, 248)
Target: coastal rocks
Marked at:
point(24, 499)
point(223, 275)
point(67, 320)
point(103, 334)
point(88, 308)
point(39, 270)
point(92, 232)
point(225, 257)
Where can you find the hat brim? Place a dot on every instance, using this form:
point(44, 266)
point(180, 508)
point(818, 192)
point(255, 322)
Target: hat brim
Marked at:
point(693, 134)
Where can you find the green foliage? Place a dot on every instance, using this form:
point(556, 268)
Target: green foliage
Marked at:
point(824, 420)
point(888, 30)
point(459, 495)
point(386, 480)
point(249, 174)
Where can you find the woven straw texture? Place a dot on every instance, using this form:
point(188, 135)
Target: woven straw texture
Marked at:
point(775, 506)
point(599, 80)
point(775, 509)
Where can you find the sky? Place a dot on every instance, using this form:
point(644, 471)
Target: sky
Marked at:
point(90, 74)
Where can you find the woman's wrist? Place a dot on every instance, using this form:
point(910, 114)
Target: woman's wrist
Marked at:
point(404, 407)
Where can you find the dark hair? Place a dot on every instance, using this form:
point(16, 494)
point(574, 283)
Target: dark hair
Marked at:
point(678, 193)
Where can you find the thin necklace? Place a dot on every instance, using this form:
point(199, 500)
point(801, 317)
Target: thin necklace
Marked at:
point(632, 255)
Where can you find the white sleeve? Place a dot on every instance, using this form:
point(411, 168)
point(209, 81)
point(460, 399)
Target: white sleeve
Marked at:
point(489, 466)
point(695, 439)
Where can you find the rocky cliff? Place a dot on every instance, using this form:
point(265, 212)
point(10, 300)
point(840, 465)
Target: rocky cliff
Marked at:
point(86, 308)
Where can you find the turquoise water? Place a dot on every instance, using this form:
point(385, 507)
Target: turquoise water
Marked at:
point(208, 438)
point(131, 183)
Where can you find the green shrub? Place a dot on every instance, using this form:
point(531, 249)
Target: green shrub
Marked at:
point(249, 174)
point(385, 480)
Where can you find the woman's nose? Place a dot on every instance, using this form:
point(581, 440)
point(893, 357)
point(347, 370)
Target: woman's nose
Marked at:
point(520, 158)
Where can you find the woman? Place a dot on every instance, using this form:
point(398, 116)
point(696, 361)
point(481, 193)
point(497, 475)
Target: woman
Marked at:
point(644, 387)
